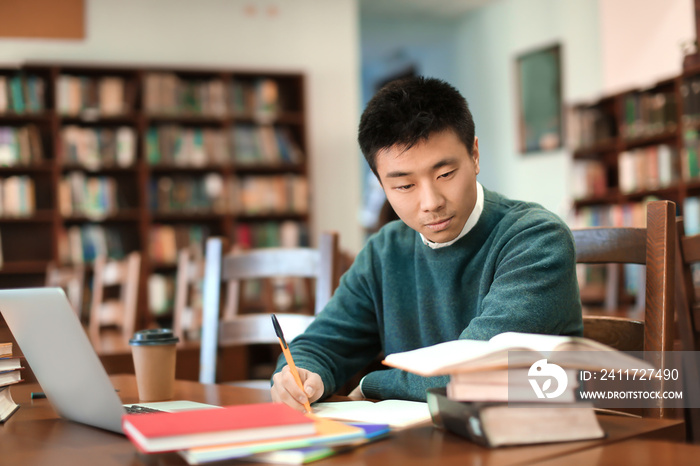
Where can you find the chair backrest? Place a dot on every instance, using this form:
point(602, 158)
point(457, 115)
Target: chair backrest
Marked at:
point(72, 279)
point(321, 264)
point(119, 312)
point(688, 316)
point(687, 305)
point(654, 247)
point(187, 313)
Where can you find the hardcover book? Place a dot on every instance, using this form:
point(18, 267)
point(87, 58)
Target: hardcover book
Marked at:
point(160, 432)
point(502, 424)
point(329, 435)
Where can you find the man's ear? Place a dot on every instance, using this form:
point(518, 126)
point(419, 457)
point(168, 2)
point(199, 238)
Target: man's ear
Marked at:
point(475, 155)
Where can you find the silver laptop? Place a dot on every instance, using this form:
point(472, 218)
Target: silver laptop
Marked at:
point(63, 360)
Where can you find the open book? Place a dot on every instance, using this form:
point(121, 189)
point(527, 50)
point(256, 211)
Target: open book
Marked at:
point(525, 348)
point(398, 414)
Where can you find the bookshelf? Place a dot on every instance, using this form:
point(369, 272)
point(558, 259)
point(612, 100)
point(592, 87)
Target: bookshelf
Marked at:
point(632, 147)
point(114, 159)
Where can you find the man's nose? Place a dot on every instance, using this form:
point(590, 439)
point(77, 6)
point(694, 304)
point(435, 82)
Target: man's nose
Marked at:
point(431, 199)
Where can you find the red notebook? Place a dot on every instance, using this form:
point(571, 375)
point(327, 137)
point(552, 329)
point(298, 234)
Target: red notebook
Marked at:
point(159, 432)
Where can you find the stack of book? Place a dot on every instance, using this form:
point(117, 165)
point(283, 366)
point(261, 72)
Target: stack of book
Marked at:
point(256, 432)
point(506, 385)
point(514, 389)
point(9, 375)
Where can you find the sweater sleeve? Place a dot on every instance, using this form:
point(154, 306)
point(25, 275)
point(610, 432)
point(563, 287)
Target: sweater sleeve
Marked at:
point(534, 287)
point(344, 338)
point(395, 383)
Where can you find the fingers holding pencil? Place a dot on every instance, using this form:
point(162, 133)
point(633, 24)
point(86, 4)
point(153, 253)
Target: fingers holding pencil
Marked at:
point(286, 389)
point(303, 391)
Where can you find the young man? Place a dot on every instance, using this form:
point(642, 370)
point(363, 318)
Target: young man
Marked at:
point(463, 261)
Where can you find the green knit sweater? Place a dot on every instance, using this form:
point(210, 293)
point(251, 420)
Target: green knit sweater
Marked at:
point(514, 271)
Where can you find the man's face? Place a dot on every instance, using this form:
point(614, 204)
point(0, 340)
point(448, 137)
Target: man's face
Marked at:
point(432, 185)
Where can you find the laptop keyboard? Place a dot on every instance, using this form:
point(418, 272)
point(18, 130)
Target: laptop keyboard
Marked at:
point(136, 409)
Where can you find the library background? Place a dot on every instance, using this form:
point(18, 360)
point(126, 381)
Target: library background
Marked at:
point(633, 147)
point(99, 161)
point(110, 161)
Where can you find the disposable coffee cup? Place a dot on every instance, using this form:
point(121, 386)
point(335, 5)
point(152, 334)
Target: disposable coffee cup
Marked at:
point(154, 354)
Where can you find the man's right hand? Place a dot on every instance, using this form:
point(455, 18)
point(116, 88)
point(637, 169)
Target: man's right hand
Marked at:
point(285, 389)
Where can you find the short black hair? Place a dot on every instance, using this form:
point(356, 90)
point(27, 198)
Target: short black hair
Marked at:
point(410, 110)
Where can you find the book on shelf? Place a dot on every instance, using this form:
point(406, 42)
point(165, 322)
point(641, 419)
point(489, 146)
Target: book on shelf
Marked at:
point(691, 215)
point(175, 145)
point(20, 146)
point(328, 434)
point(17, 93)
point(631, 214)
point(161, 432)
point(525, 349)
point(288, 234)
point(265, 144)
point(690, 99)
point(161, 297)
point(168, 93)
point(503, 424)
point(126, 146)
point(398, 414)
point(306, 455)
point(189, 194)
point(4, 98)
point(34, 88)
point(691, 146)
point(94, 148)
point(20, 93)
point(17, 196)
point(92, 196)
point(81, 244)
point(92, 97)
point(266, 98)
point(589, 179)
point(648, 168)
point(589, 126)
point(648, 113)
point(8, 406)
point(111, 96)
point(165, 241)
point(260, 195)
point(259, 98)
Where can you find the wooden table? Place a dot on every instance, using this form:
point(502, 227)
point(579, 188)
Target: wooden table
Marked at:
point(632, 451)
point(34, 435)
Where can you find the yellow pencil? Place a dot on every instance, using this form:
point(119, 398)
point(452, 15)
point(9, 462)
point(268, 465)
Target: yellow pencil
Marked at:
point(290, 361)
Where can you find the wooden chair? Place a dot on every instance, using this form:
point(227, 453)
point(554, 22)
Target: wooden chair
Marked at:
point(71, 279)
point(687, 305)
point(119, 312)
point(187, 314)
point(653, 246)
point(688, 317)
point(236, 328)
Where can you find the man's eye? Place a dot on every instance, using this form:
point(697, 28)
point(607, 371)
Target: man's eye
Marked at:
point(445, 175)
point(404, 187)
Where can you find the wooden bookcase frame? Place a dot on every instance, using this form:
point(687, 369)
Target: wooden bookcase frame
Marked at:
point(30, 241)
